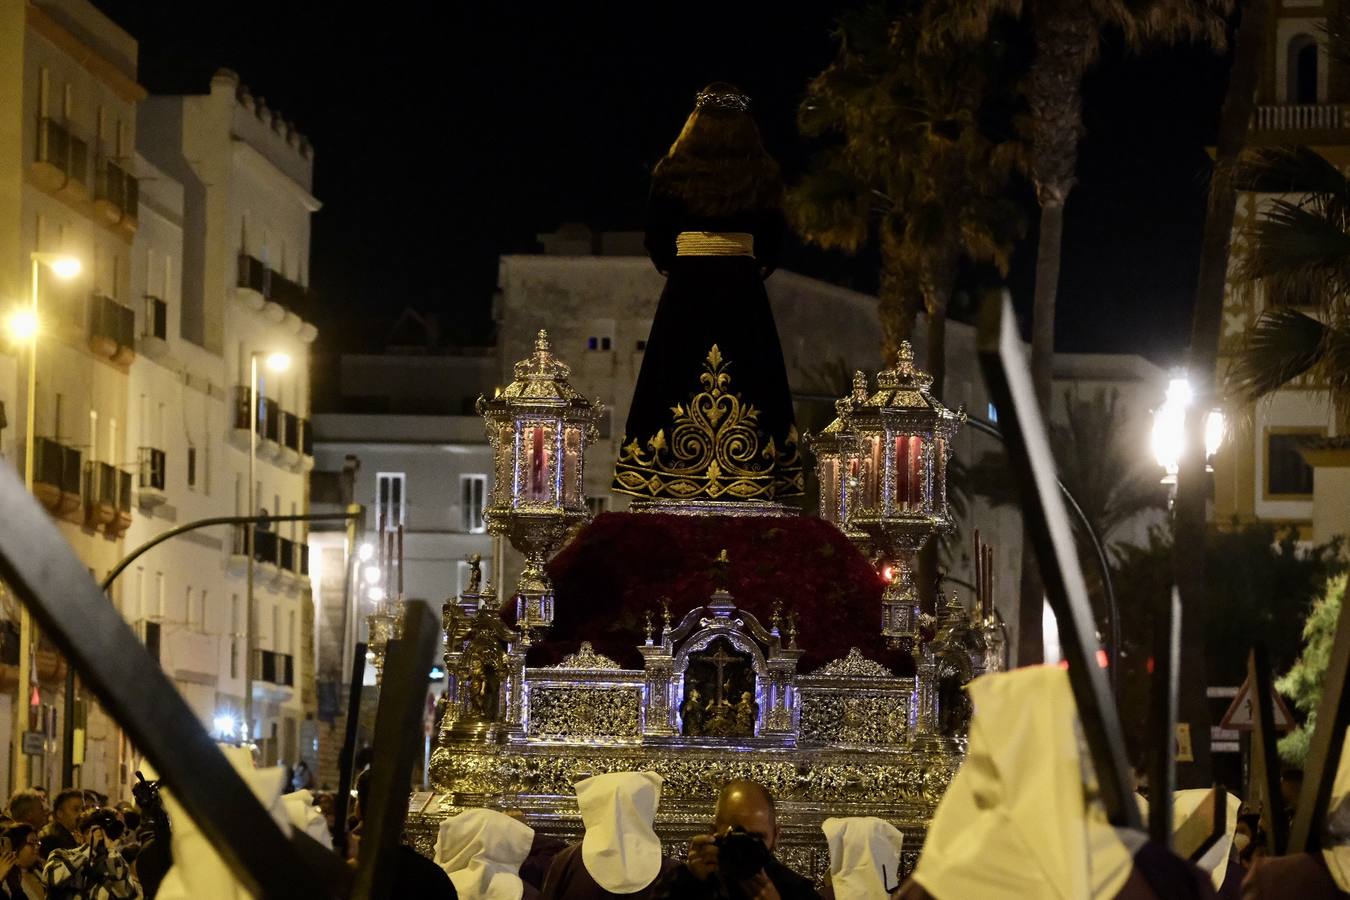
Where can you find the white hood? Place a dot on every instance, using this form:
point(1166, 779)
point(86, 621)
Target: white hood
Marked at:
point(1215, 859)
point(307, 817)
point(1337, 851)
point(864, 857)
point(1016, 821)
point(620, 849)
point(481, 850)
point(198, 872)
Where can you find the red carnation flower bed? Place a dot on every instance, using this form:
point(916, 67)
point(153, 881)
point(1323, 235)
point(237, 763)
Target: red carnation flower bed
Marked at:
point(620, 567)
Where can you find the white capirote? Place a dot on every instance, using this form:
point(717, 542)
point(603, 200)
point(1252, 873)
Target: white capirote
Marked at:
point(620, 848)
point(864, 857)
point(481, 850)
point(1019, 819)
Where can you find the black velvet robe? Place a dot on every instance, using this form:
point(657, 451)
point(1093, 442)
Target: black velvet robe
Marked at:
point(712, 415)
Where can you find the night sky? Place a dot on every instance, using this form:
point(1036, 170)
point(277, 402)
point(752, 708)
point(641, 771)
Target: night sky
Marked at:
point(446, 134)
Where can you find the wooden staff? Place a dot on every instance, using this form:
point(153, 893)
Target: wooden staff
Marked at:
point(1003, 361)
point(1265, 760)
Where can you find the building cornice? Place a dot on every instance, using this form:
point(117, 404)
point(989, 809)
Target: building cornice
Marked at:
point(91, 60)
point(246, 154)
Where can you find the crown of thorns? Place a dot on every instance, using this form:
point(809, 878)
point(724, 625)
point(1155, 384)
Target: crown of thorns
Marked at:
point(730, 100)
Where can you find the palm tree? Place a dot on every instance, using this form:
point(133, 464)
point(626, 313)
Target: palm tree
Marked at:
point(911, 158)
point(1068, 36)
point(1298, 253)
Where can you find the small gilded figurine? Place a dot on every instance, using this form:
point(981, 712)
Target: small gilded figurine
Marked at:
point(691, 714)
point(475, 573)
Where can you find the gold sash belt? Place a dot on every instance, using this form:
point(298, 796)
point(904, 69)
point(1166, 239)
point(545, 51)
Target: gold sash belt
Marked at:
point(714, 243)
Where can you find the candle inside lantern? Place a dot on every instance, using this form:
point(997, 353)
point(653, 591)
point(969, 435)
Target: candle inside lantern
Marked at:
point(908, 474)
point(871, 474)
point(536, 464)
point(571, 466)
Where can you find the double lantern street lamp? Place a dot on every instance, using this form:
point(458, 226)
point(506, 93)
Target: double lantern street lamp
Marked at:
point(24, 326)
point(1169, 429)
point(538, 427)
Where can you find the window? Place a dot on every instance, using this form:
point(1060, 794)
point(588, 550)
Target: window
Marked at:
point(473, 494)
point(390, 500)
point(192, 467)
point(234, 635)
point(1287, 473)
point(201, 610)
point(1301, 70)
point(641, 346)
point(159, 595)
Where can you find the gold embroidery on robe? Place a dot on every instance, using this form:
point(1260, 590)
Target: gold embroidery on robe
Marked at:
point(715, 450)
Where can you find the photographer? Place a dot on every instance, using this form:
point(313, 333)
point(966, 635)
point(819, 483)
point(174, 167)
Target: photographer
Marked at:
point(154, 856)
point(94, 870)
point(736, 861)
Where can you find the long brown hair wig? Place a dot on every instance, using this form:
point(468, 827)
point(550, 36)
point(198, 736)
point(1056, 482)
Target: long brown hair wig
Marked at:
point(718, 164)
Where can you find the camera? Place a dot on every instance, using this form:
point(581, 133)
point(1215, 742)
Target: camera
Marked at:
point(741, 855)
point(146, 794)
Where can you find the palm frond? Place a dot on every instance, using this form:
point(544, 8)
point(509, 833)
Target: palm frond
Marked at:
point(1281, 346)
point(1299, 253)
point(830, 207)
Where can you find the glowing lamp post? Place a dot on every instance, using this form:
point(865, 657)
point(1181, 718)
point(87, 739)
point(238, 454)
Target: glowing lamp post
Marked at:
point(1169, 429)
point(904, 439)
point(538, 427)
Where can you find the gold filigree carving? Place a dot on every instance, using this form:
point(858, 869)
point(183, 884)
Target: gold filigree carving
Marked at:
point(715, 450)
point(601, 716)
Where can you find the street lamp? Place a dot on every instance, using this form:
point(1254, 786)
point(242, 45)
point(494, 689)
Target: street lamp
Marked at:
point(24, 327)
point(1169, 428)
point(276, 362)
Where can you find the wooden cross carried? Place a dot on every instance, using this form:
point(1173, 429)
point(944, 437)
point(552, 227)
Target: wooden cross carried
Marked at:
point(1003, 361)
point(40, 567)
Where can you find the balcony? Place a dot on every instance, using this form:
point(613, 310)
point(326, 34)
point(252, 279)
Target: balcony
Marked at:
point(116, 195)
point(61, 160)
point(280, 556)
point(107, 496)
point(112, 329)
point(275, 668)
point(1325, 123)
point(279, 298)
point(56, 476)
point(150, 476)
point(156, 318)
point(280, 433)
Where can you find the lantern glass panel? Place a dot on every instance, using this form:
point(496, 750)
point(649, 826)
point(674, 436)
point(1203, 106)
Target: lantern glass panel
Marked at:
point(503, 482)
point(572, 489)
point(871, 473)
point(538, 464)
point(908, 472)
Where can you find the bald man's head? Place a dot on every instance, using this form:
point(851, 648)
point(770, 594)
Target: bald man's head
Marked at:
point(749, 805)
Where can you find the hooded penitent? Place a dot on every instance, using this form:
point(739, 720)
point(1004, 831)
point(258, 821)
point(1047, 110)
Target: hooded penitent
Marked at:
point(198, 872)
point(307, 817)
point(864, 857)
point(620, 849)
point(1336, 838)
point(1020, 819)
point(1213, 861)
point(481, 850)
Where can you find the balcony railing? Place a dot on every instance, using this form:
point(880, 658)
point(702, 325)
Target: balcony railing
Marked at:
point(273, 549)
point(56, 465)
point(274, 423)
point(111, 321)
point(151, 469)
point(156, 318)
point(118, 187)
point(1300, 117)
point(255, 275)
point(276, 668)
point(58, 147)
point(107, 486)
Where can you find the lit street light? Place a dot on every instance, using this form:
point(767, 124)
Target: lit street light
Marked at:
point(365, 552)
point(371, 574)
point(24, 327)
point(1169, 428)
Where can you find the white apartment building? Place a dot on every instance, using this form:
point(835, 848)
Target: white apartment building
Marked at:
point(246, 177)
point(68, 102)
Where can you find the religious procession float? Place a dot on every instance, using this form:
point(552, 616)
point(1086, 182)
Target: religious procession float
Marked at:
point(712, 631)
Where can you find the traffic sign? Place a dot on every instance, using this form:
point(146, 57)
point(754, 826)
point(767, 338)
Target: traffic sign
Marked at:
point(34, 743)
point(1241, 714)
